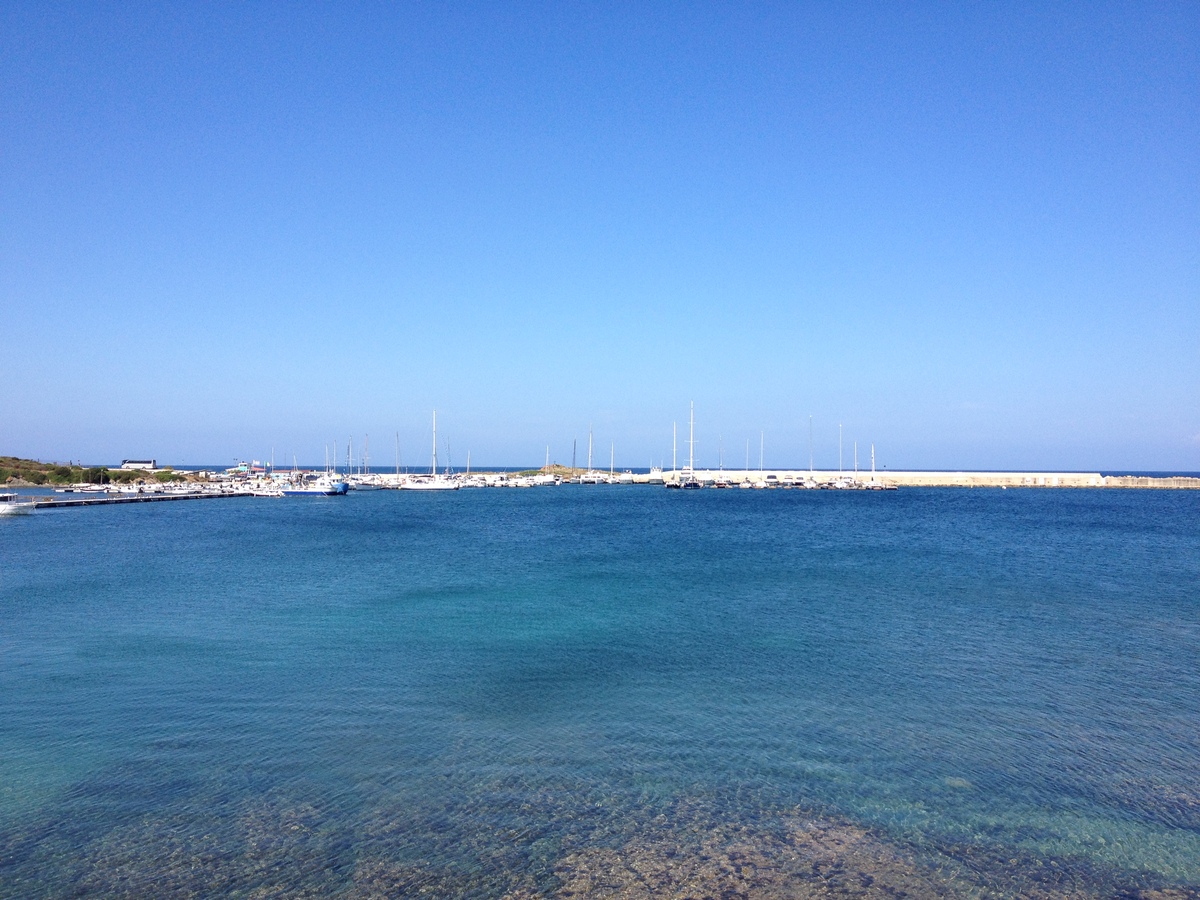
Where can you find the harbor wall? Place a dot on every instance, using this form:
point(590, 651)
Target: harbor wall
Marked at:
point(952, 479)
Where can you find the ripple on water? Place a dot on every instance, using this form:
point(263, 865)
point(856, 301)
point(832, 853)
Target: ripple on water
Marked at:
point(515, 838)
point(566, 694)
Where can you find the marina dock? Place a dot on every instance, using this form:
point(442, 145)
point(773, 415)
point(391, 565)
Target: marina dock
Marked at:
point(108, 500)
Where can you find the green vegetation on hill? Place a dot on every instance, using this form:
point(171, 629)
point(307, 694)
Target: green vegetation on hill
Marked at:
point(30, 471)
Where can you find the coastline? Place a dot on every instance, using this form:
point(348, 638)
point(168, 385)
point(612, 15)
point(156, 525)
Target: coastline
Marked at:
point(907, 479)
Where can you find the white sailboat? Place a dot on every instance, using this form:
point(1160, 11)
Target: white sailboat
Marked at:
point(364, 480)
point(673, 481)
point(689, 481)
point(433, 481)
point(591, 476)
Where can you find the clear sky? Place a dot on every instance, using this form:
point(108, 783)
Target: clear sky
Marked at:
point(969, 232)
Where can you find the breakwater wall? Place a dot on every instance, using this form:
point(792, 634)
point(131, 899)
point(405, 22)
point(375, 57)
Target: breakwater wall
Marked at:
point(1173, 482)
point(948, 479)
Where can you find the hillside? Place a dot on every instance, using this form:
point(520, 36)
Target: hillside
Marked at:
point(17, 471)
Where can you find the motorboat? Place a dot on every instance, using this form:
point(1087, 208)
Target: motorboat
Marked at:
point(12, 505)
point(323, 485)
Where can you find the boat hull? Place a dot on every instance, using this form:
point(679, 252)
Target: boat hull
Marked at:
point(328, 489)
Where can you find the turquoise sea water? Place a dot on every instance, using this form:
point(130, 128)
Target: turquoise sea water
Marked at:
point(612, 691)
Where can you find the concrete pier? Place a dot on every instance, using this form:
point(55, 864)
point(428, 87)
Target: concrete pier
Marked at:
point(945, 479)
point(106, 500)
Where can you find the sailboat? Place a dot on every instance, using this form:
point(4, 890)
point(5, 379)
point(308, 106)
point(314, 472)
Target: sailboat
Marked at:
point(591, 476)
point(433, 481)
point(874, 485)
point(364, 480)
point(674, 482)
point(690, 482)
point(307, 484)
point(721, 481)
point(545, 478)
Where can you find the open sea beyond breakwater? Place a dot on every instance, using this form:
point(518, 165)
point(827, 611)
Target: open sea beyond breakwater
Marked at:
point(582, 692)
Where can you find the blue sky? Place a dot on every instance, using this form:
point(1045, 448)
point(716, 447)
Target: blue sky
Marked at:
point(970, 233)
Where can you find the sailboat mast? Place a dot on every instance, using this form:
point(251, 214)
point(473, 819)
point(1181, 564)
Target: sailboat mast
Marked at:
point(612, 458)
point(692, 438)
point(589, 448)
point(433, 468)
point(674, 430)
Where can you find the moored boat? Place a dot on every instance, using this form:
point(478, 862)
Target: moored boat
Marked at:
point(430, 483)
point(12, 505)
point(433, 481)
point(323, 485)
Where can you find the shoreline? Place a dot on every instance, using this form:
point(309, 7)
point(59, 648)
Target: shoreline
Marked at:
point(789, 478)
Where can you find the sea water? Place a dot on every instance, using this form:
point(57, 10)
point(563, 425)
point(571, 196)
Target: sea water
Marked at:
point(605, 691)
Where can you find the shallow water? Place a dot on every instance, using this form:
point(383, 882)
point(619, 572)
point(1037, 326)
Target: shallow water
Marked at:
point(608, 691)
